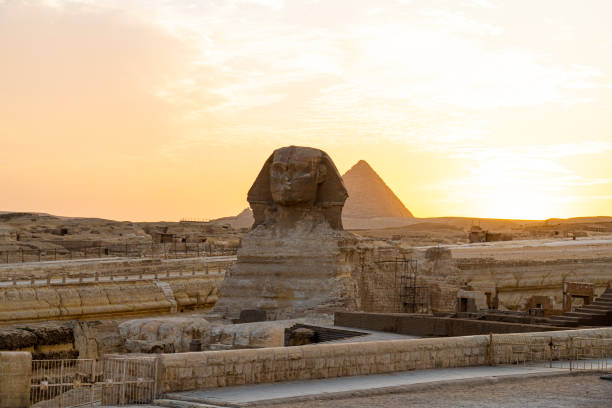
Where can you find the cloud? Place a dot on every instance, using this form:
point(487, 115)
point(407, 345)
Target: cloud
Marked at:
point(524, 170)
point(460, 22)
point(544, 152)
point(352, 72)
point(426, 65)
point(272, 4)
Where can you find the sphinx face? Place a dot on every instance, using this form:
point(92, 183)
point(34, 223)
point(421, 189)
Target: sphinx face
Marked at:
point(295, 176)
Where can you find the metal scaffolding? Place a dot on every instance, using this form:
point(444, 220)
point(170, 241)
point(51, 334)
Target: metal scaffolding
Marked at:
point(413, 298)
point(408, 296)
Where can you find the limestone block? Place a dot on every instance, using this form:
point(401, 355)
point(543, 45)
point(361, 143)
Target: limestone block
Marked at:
point(331, 360)
point(207, 382)
point(175, 331)
point(15, 377)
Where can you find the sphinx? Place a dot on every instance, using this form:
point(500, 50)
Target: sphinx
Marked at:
point(297, 258)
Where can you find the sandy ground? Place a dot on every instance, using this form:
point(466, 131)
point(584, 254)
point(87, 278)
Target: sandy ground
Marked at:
point(584, 391)
point(538, 249)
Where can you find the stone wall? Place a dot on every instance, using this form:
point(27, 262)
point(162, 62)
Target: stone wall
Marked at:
point(518, 281)
point(104, 267)
point(515, 282)
point(560, 337)
point(106, 299)
point(15, 373)
point(381, 272)
point(416, 325)
point(210, 369)
point(378, 281)
point(188, 371)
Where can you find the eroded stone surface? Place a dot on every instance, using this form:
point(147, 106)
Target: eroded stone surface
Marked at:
point(297, 183)
point(175, 334)
point(297, 257)
point(157, 335)
point(50, 340)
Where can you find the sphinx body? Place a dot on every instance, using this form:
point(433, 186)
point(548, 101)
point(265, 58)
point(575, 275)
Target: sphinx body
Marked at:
point(297, 258)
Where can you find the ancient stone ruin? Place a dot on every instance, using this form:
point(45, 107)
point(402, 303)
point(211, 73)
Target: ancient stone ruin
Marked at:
point(299, 280)
point(370, 196)
point(297, 256)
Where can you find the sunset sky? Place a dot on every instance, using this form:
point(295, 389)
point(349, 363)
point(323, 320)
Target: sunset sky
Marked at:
point(162, 110)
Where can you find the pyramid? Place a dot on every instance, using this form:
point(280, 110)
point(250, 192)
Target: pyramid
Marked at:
point(243, 220)
point(371, 203)
point(369, 196)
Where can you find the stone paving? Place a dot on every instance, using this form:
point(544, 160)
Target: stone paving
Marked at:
point(250, 394)
point(371, 335)
point(578, 390)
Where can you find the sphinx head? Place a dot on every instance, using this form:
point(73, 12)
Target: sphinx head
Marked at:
point(295, 175)
point(298, 177)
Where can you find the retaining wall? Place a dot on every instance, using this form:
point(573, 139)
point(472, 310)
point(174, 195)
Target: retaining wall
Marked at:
point(518, 280)
point(105, 267)
point(210, 369)
point(106, 299)
point(545, 339)
point(416, 325)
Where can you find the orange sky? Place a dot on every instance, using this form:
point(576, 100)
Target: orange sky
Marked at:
point(146, 110)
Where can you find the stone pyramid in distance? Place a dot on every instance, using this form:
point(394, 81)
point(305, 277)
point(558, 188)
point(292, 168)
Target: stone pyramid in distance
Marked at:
point(369, 196)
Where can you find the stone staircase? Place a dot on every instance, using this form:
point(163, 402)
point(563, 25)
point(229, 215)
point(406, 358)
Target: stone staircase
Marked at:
point(168, 293)
point(598, 313)
point(322, 333)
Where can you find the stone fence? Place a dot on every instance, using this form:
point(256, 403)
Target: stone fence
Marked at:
point(70, 251)
point(126, 274)
point(209, 369)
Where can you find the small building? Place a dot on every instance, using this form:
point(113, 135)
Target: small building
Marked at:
point(162, 237)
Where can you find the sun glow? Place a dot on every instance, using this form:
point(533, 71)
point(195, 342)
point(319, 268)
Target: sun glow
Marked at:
point(514, 185)
point(519, 204)
point(464, 108)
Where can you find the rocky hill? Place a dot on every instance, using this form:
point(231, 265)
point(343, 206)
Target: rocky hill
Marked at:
point(243, 220)
point(22, 231)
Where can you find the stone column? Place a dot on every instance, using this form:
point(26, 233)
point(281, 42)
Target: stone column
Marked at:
point(15, 377)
